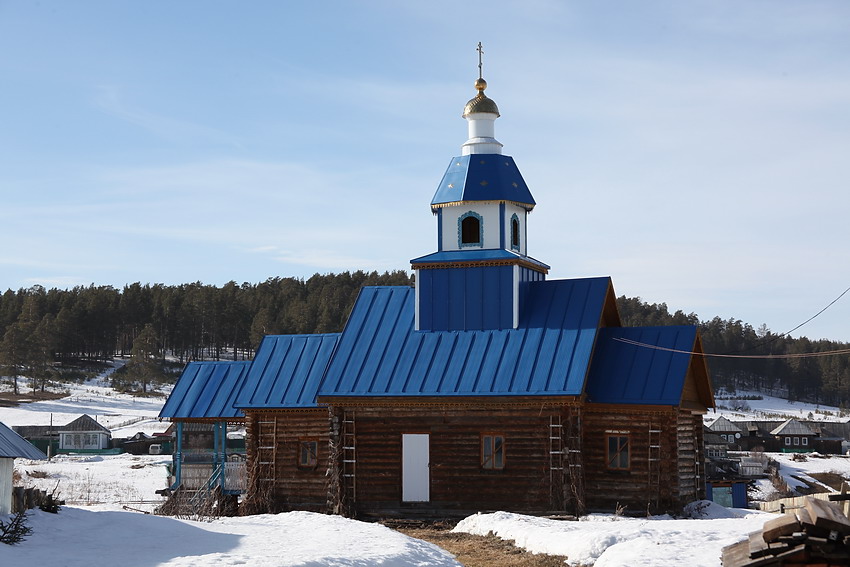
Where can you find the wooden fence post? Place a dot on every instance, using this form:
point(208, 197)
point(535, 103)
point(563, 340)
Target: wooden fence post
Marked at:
point(17, 499)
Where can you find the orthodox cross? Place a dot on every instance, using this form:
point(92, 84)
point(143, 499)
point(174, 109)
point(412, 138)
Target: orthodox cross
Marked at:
point(480, 51)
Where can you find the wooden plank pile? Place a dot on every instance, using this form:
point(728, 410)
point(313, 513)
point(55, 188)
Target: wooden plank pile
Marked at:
point(816, 534)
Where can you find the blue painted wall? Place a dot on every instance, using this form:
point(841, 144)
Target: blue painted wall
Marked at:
point(466, 299)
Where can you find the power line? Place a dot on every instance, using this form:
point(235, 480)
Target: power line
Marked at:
point(816, 314)
point(758, 356)
point(754, 356)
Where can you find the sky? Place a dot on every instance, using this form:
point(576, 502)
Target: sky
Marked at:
point(696, 152)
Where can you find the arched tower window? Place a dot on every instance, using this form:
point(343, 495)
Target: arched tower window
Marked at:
point(515, 232)
point(470, 230)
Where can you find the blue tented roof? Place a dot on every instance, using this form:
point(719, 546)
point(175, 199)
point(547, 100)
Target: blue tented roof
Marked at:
point(287, 370)
point(483, 177)
point(626, 373)
point(207, 390)
point(380, 353)
point(13, 445)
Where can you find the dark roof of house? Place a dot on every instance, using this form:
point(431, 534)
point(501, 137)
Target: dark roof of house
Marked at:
point(13, 445)
point(792, 427)
point(36, 431)
point(710, 438)
point(207, 389)
point(83, 424)
point(721, 424)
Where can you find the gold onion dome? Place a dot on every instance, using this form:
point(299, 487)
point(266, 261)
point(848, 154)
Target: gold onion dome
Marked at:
point(480, 103)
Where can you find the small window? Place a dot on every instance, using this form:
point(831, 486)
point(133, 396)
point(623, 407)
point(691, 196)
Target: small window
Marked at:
point(787, 440)
point(515, 233)
point(796, 440)
point(308, 454)
point(618, 452)
point(470, 230)
point(805, 441)
point(492, 452)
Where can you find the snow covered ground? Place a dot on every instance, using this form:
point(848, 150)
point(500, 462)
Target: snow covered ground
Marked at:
point(95, 527)
point(97, 399)
point(609, 541)
point(81, 537)
point(737, 407)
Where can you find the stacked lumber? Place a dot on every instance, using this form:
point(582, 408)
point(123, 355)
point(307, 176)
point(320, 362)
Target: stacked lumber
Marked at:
point(816, 534)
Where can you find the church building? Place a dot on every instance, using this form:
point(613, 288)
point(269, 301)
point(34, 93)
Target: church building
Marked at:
point(485, 386)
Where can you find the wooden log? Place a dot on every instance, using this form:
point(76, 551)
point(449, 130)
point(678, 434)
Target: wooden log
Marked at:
point(783, 525)
point(758, 546)
point(827, 516)
point(805, 520)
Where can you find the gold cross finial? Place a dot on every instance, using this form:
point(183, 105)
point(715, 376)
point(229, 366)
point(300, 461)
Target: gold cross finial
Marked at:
point(480, 50)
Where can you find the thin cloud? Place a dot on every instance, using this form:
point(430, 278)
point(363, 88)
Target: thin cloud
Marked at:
point(109, 99)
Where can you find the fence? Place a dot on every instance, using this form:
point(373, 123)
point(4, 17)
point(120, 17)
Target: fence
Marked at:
point(27, 498)
point(195, 476)
point(780, 505)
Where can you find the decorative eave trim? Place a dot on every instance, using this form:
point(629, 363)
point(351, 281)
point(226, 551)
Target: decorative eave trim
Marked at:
point(526, 206)
point(609, 408)
point(535, 402)
point(313, 409)
point(229, 420)
point(479, 263)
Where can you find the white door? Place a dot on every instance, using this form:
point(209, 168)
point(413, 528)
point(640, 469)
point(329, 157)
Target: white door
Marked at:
point(415, 476)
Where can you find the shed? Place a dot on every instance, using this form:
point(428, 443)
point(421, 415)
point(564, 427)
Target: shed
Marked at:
point(12, 446)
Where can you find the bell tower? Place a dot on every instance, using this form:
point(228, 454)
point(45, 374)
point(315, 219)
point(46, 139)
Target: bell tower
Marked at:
point(474, 280)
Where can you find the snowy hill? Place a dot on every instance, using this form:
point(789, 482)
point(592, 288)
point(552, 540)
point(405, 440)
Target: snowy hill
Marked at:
point(746, 405)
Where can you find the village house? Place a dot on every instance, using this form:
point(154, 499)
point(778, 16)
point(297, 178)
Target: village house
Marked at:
point(84, 434)
point(483, 387)
point(788, 436)
point(12, 446)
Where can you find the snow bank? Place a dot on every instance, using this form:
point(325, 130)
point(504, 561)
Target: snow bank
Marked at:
point(80, 538)
point(607, 541)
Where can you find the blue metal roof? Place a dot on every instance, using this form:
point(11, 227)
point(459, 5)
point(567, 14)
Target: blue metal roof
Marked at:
point(13, 445)
point(475, 255)
point(287, 371)
point(625, 373)
point(483, 177)
point(380, 353)
point(207, 390)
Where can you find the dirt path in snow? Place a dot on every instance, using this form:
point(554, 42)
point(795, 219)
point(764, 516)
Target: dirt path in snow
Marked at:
point(476, 551)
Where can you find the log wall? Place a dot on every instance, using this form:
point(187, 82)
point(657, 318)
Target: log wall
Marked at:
point(691, 457)
point(664, 470)
point(650, 483)
point(276, 482)
point(458, 483)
